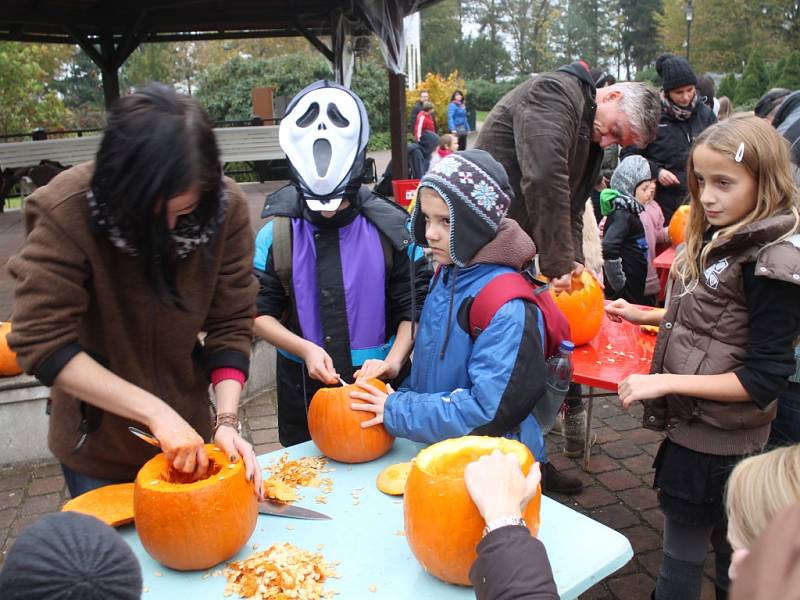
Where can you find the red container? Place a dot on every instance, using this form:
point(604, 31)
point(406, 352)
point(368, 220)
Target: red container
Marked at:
point(405, 190)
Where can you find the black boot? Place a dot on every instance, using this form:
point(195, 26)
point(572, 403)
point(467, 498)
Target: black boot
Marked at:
point(559, 483)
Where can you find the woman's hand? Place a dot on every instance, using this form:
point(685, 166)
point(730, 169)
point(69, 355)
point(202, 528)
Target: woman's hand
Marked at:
point(666, 178)
point(642, 387)
point(320, 365)
point(564, 283)
point(376, 369)
point(372, 401)
point(235, 446)
point(497, 486)
point(181, 444)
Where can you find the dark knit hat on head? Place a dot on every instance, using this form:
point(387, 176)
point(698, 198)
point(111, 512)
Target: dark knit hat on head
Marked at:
point(477, 193)
point(632, 171)
point(675, 72)
point(70, 556)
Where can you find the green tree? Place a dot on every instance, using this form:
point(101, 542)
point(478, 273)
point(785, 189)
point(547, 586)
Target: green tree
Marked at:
point(727, 87)
point(440, 37)
point(640, 44)
point(27, 97)
point(147, 64)
point(755, 79)
point(790, 77)
point(481, 59)
point(80, 86)
point(487, 14)
point(585, 30)
point(775, 70)
point(528, 24)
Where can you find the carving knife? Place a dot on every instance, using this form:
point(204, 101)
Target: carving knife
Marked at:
point(279, 509)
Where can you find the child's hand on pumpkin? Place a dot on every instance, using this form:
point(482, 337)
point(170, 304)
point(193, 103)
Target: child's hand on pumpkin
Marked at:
point(642, 387)
point(372, 399)
point(235, 446)
point(320, 365)
point(497, 486)
point(376, 369)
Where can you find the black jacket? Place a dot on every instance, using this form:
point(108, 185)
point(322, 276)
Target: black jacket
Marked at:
point(512, 565)
point(623, 237)
point(670, 150)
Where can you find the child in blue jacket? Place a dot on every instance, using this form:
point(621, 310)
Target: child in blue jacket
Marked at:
point(458, 385)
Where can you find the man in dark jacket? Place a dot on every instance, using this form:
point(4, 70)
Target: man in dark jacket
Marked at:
point(423, 98)
point(549, 133)
point(683, 117)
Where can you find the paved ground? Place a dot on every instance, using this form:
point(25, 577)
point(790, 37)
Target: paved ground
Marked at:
point(618, 490)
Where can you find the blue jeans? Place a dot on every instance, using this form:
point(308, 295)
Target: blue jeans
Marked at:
point(786, 426)
point(78, 483)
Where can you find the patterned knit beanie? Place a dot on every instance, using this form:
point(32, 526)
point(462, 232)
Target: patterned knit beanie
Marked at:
point(70, 556)
point(477, 193)
point(632, 171)
point(675, 72)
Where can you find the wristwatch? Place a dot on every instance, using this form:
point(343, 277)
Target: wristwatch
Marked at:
point(503, 522)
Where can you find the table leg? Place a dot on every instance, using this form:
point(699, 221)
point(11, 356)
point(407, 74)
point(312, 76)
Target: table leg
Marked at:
point(587, 446)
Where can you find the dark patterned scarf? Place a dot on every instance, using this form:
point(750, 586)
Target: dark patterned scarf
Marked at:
point(677, 112)
point(188, 234)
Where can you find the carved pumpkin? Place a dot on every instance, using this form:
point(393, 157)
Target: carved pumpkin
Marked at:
point(677, 225)
point(191, 525)
point(392, 480)
point(112, 504)
point(336, 428)
point(583, 307)
point(8, 358)
point(442, 524)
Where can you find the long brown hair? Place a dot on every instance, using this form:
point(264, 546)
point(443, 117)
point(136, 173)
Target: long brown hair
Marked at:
point(765, 155)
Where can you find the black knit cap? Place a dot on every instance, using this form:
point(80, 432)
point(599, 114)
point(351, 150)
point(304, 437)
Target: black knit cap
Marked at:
point(477, 193)
point(70, 556)
point(675, 72)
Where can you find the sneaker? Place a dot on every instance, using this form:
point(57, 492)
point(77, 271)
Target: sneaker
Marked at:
point(559, 483)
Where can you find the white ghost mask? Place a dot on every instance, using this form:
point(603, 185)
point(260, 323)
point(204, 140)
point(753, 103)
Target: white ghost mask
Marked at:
point(323, 134)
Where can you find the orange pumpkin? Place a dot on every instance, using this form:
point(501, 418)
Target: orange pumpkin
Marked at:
point(677, 225)
point(191, 525)
point(442, 523)
point(8, 358)
point(583, 307)
point(336, 428)
point(112, 504)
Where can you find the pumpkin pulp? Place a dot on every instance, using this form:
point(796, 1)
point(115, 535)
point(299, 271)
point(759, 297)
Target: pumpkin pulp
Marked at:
point(442, 523)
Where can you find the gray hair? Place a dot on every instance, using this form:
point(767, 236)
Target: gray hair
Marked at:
point(642, 105)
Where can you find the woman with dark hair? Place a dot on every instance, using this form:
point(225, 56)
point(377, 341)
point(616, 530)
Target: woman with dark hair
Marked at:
point(457, 118)
point(127, 260)
point(684, 116)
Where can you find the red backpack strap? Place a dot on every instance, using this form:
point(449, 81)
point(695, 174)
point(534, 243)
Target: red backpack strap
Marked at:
point(495, 294)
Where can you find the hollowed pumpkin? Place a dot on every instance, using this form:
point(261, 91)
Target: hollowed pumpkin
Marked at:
point(677, 225)
point(8, 358)
point(583, 307)
point(392, 480)
point(442, 524)
point(112, 504)
point(191, 525)
point(336, 428)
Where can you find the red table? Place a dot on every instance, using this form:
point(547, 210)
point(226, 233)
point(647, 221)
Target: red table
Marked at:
point(618, 350)
point(665, 259)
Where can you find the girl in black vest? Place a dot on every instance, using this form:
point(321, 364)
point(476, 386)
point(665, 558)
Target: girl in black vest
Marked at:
point(724, 351)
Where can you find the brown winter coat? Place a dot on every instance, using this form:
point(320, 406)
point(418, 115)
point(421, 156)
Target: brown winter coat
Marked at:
point(75, 291)
point(541, 132)
point(705, 332)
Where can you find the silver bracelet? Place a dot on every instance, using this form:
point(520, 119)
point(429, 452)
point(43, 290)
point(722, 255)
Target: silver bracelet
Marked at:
point(503, 522)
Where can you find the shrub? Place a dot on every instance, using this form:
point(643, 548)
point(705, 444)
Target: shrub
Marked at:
point(439, 90)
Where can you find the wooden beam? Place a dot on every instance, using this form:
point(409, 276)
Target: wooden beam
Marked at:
point(110, 69)
point(397, 125)
point(315, 41)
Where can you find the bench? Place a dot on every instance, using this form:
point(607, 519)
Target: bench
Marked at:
point(236, 144)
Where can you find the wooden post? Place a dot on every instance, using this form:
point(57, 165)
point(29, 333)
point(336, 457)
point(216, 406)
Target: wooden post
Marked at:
point(109, 68)
point(397, 125)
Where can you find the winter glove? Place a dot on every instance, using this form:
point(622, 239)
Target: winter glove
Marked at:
point(615, 276)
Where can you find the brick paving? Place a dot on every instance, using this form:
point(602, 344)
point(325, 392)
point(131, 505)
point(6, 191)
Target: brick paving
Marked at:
point(618, 491)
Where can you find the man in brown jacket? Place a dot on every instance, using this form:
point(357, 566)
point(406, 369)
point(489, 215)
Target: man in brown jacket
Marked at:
point(549, 133)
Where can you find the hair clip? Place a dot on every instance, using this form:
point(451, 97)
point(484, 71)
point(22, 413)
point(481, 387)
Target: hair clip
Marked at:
point(739, 153)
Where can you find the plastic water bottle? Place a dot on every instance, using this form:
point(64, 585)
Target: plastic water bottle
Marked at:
point(559, 376)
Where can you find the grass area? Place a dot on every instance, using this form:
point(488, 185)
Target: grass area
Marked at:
point(13, 202)
point(480, 115)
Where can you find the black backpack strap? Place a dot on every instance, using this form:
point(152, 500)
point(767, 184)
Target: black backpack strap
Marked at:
point(282, 252)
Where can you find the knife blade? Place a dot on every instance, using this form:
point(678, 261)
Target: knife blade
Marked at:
point(290, 510)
